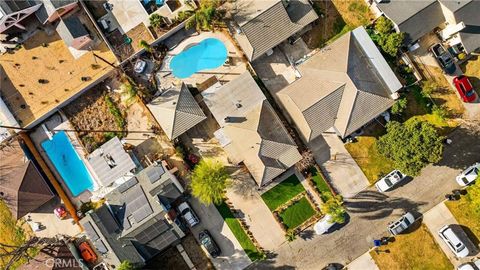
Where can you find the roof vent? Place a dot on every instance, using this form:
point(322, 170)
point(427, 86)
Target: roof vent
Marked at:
point(238, 105)
point(227, 119)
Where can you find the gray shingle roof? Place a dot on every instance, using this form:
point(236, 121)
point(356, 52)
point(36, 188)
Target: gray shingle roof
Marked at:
point(470, 35)
point(344, 86)
point(256, 135)
point(176, 110)
point(262, 30)
point(70, 29)
point(110, 162)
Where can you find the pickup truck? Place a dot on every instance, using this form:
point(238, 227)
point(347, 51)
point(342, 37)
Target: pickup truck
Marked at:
point(444, 58)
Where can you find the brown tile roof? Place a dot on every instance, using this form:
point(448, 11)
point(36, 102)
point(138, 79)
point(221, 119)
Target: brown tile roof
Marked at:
point(23, 187)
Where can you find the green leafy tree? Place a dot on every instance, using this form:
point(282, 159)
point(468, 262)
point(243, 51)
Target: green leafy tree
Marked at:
point(334, 207)
point(383, 26)
point(392, 43)
point(157, 21)
point(399, 106)
point(205, 17)
point(411, 145)
point(126, 265)
point(209, 180)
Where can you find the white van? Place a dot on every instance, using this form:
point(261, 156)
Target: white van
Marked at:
point(453, 241)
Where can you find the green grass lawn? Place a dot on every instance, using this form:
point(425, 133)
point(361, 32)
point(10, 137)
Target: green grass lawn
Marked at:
point(297, 213)
point(321, 184)
point(242, 237)
point(416, 250)
point(471, 68)
point(283, 192)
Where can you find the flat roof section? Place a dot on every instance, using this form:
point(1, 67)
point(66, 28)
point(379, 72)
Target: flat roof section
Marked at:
point(43, 73)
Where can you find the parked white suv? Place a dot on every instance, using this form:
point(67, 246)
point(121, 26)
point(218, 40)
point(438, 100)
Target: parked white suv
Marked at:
point(323, 225)
point(389, 180)
point(475, 265)
point(453, 242)
point(469, 175)
point(400, 225)
point(187, 213)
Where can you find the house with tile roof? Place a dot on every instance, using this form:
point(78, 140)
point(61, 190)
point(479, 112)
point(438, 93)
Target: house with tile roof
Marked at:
point(22, 186)
point(176, 110)
point(459, 19)
point(344, 86)
point(259, 26)
point(251, 132)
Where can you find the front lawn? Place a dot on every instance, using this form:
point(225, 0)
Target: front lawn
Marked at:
point(242, 237)
point(415, 250)
point(466, 215)
point(471, 68)
point(282, 192)
point(321, 184)
point(364, 152)
point(297, 213)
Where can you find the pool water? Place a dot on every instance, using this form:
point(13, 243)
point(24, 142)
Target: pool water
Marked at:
point(210, 53)
point(68, 163)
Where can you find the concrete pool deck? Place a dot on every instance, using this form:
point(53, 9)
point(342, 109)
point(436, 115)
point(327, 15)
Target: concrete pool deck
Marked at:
point(226, 72)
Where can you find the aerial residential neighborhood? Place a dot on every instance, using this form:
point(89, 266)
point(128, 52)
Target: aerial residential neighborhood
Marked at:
point(240, 134)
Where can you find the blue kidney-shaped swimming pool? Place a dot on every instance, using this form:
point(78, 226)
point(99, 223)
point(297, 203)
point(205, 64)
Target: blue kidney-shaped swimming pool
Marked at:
point(210, 53)
point(68, 163)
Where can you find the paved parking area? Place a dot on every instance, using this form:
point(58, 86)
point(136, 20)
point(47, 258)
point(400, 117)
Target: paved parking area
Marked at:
point(440, 216)
point(233, 256)
point(338, 165)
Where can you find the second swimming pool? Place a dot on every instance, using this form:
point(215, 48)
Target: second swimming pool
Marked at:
point(210, 53)
point(68, 163)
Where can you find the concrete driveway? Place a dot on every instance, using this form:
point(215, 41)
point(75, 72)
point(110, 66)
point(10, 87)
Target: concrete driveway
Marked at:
point(371, 211)
point(233, 256)
point(440, 216)
point(338, 165)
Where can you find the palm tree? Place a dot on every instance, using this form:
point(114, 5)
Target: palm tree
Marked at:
point(334, 207)
point(209, 181)
point(157, 21)
point(144, 44)
point(205, 17)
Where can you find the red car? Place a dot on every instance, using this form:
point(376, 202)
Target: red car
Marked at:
point(87, 253)
point(465, 88)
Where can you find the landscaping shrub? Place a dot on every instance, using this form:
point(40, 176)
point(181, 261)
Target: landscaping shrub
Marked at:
point(115, 112)
point(399, 106)
point(209, 181)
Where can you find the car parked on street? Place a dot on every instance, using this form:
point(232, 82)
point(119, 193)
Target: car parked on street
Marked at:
point(209, 244)
point(400, 225)
point(474, 265)
point(444, 58)
point(389, 180)
point(453, 241)
point(464, 88)
point(188, 215)
point(323, 225)
point(469, 175)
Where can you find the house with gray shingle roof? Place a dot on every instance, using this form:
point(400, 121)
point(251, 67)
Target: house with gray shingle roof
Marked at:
point(251, 131)
point(73, 33)
point(259, 26)
point(344, 86)
point(176, 110)
point(417, 18)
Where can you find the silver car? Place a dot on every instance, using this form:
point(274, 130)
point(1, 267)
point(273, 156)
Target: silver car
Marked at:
point(400, 225)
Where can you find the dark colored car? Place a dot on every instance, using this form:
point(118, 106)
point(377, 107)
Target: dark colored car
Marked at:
point(209, 244)
point(465, 88)
point(444, 58)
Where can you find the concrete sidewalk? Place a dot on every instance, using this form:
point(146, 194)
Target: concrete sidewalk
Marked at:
point(440, 216)
point(364, 262)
